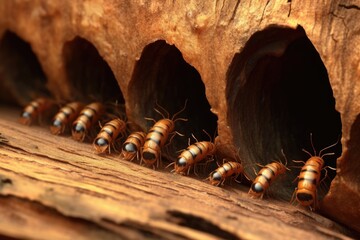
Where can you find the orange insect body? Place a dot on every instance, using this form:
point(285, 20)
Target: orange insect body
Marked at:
point(132, 145)
point(33, 111)
point(265, 176)
point(108, 134)
point(227, 170)
point(309, 179)
point(155, 140)
point(86, 119)
point(192, 155)
point(158, 136)
point(65, 117)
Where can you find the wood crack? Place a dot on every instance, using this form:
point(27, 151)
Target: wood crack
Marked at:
point(199, 224)
point(351, 6)
point(234, 11)
point(263, 12)
point(124, 199)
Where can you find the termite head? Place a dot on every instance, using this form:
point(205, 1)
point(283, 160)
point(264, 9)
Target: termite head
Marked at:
point(150, 156)
point(256, 190)
point(57, 127)
point(78, 131)
point(129, 151)
point(100, 144)
point(130, 148)
point(26, 118)
point(181, 165)
point(215, 178)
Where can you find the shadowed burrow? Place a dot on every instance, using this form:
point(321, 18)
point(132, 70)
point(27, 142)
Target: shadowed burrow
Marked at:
point(89, 75)
point(21, 76)
point(163, 80)
point(278, 93)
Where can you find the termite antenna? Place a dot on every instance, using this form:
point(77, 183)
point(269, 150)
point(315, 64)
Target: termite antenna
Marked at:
point(327, 154)
point(150, 119)
point(170, 164)
point(207, 134)
point(159, 112)
point(180, 112)
point(332, 145)
point(286, 161)
point(307, 152)
point(194, 138)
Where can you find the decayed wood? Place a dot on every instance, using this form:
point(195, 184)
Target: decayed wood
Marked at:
point(54, 187)
point(208, 35)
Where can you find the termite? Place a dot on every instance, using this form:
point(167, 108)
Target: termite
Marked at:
point(158, 136)
point(266, 176)
point(192, 155)
point(108, 134)
point(35, 110)
point(87, 118)
point(309, 177)
point(132, 145)
point(231, 169)
point(65, 117)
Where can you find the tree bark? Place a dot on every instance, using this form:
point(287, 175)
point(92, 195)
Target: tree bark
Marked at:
point(52, 187)
point(262, 75)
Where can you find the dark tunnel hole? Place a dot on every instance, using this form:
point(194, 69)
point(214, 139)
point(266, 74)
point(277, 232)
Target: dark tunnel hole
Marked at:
point(163, 78)
point(278, 92)
point(89, 74)
point(21, 76)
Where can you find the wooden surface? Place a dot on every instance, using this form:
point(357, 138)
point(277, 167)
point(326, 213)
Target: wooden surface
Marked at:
point(55, 188)
point(300, 58)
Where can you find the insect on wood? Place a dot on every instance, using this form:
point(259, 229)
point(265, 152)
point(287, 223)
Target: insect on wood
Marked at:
point(108, 134)
point(230, 169)
point(36, 110)
point(158, 136)
point(266, 176)
point(87, 118)
point(65, 117)
point(309, 177)
point(132, 146)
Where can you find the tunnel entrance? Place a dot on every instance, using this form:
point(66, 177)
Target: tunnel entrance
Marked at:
point(162, 77)
point(89, 75)
point(21, 76)
point(278, 92)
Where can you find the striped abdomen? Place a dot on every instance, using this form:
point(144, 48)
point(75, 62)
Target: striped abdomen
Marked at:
point(155, 139)
point(65, 117)
point(86, 119)
point(265, 177)
point(192, 155)
point(309, 179)
point(227, 170)
point(108, 134)
point(132, 145)
point(33, 111)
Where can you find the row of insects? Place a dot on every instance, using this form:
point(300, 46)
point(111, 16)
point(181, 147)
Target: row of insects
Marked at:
point(146, 147)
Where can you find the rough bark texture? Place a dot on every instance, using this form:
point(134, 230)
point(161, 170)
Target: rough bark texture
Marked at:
point(264, 74)
point(55, 188)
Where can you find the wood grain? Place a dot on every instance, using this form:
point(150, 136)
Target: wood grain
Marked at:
point(54, 187)
point(138, 49)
